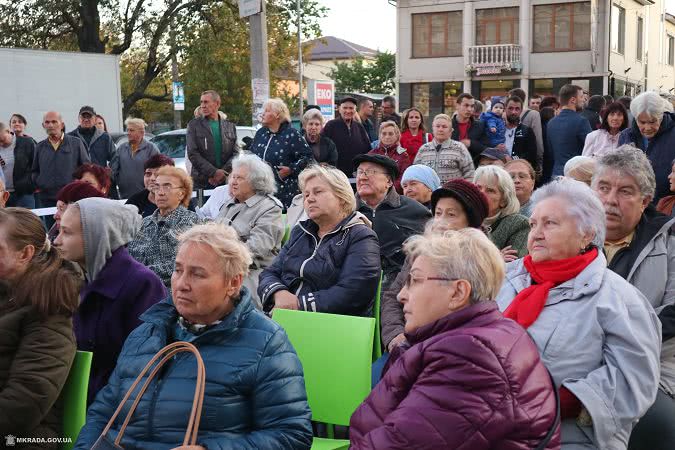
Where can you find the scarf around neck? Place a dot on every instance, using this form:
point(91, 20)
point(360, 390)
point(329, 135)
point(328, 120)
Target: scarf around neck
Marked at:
point(528, 304)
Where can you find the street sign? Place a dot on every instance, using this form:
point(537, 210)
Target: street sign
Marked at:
point(178, 96)
point(322, 94)
point(249, 7)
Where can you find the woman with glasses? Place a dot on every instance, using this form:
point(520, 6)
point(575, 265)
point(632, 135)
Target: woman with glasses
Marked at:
point(331, 262)
point(155, 245)
point(255, 214)
point(469, 378)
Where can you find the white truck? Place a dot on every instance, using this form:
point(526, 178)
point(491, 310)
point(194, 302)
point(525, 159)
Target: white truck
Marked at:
point(33, 82)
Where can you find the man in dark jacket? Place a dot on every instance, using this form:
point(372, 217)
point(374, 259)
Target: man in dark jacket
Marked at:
point(16, 162)
point(99, 144)
point(349, 136)
point(366, 110)
point(592, 111)
point(467, 130)
point(566, 133)
point(389, 110)
point(395, 217)
point(520, 140)
point(211, 144)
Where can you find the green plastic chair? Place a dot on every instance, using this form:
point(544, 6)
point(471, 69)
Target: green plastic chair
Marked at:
point(336, 356)
point(377, 342)
point(74, 395)
point(287, 230)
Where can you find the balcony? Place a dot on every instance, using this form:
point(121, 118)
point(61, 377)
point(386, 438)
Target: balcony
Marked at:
point(494, 59)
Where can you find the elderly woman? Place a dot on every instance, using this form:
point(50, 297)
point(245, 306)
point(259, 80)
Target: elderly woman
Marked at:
point(129, 160)
point(331, 262)
point(144, 199)
point(323, 148)
point(505, 226)
point(390, 146)
point(255, 214)
point(470, 378)
point(597, 335)
point(94, 233)
point(523, 176)
point(155, 245)
point(282, 147)
point(38, 295)
point(580, 168)
point(254, 395)
point(606, 138)
point(95, 175)
point(653, 131)
point(418, 182)
point(70, 193)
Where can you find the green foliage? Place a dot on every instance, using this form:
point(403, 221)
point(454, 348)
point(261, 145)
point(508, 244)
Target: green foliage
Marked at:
point(375, 77)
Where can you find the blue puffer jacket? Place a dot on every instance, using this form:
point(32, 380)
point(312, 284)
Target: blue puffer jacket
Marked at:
point(336, 274)
point(493, 120)
point(254, 398)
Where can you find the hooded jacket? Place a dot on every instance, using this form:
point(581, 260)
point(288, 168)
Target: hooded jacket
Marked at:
point(471, 380)
point(118, 289)
point(337, 273)
point(254, 396)
point(600, 338)
point(101, 148)
point(492, 120)
point(660, 151)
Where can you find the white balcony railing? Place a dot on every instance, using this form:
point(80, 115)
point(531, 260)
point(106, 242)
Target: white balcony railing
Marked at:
point(499, 57)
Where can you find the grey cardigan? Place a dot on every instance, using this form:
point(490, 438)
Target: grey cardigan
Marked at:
point(601, 339)
point(128, 169)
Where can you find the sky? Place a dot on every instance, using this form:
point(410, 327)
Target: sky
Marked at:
point(371, 23)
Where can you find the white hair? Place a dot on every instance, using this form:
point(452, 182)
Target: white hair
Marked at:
point(260, 174)
point(312, 114)
point(135, 123)
point(649, 103)
point(278, 107)
point(630, 161)
point(504, 184)
point(582, 203)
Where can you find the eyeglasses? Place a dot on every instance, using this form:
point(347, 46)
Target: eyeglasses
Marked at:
point(163, 188)
point(411, 280)
point(367, 172)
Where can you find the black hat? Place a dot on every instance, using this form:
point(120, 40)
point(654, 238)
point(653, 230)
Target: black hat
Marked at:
point(381, 160)
point(494, 153)
point(348, 98)
point(87, 110)
point(473, 201)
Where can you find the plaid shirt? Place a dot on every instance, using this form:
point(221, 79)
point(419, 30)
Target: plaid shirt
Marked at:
point(156, 244)
point(450, 160)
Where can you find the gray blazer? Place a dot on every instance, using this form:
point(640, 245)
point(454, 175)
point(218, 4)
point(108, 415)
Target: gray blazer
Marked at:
point(600, 338)
point(201, 149)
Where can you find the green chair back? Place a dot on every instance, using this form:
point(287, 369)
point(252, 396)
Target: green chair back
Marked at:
point(377, 342)
point(287, 229)
point(336, 355)
point(74, 395)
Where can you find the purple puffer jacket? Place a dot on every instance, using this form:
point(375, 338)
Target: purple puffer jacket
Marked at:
point(471, 380)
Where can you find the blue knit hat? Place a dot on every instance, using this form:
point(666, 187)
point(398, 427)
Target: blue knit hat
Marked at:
point(424, 174)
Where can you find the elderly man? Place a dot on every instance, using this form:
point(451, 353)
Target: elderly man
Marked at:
point(350, 138)
point(128, 164)
point(211, 143)
point(653, 132)
point(55, 160)
point(640, 246)
point(16, 161)
point(467, 130)
point(98, 143)
point(395, 217)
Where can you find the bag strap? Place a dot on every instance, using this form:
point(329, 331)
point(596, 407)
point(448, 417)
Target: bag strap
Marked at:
point(542, 445)
point(166, 353)
point(525, 115)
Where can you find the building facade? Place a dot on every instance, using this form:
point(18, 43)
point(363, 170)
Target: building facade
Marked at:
point(487, 47)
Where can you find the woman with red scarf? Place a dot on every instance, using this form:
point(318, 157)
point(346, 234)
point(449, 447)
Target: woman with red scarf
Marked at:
point(390, 139)
point(597, 335)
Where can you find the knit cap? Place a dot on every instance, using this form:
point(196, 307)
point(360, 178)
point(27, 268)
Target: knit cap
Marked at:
point(473, 201)
point(424, 174)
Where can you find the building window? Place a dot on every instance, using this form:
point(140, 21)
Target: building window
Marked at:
point(618, 32)
point(496, 88)
point(420, 97)
point(640, 32)
point(562, 27)
point(450, 92)
point(497, 26)
point(437, 34)
point(544, 87)
point(671, 50)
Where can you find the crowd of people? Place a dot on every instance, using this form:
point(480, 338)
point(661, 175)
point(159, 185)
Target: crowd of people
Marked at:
point(523, 252)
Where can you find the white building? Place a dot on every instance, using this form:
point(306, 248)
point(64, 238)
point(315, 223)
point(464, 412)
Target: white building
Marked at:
point(487, 47)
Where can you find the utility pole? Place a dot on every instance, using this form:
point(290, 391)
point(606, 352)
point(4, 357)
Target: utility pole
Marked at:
point(300, 67)
point(260, 71)
point(174, 76)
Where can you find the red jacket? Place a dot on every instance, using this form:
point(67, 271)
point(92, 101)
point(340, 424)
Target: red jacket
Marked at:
point(472, 380)
point(413, 143)
point(398, 154)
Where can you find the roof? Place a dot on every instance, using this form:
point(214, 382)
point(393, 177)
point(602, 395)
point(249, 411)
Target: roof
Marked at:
point(670, 18)
point(331, 47)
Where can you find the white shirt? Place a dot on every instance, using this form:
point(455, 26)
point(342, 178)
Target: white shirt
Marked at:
point(509, 134)
point(218, 198)
point(599, 142)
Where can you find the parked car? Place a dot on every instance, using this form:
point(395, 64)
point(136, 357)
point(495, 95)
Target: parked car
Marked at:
point(120, 138)
point(173, 144)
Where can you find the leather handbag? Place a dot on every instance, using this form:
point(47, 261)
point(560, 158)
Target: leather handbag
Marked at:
point(168, 352)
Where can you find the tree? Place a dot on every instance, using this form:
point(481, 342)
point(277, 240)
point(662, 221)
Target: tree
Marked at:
point(366, 76)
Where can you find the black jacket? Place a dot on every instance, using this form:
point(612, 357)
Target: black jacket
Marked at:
point(350, 142)
point(593, 118)
point(24, 152)
point(477, 135)
point(100, 148)
point(327, 150)
point(201, 149)
point(525, 145)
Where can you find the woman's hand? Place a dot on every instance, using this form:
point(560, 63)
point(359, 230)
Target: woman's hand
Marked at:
point(284, 171)
point(285, 300)
point(398, 340)
point(509, 254)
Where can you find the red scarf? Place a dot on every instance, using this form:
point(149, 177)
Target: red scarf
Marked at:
point(529, 303)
